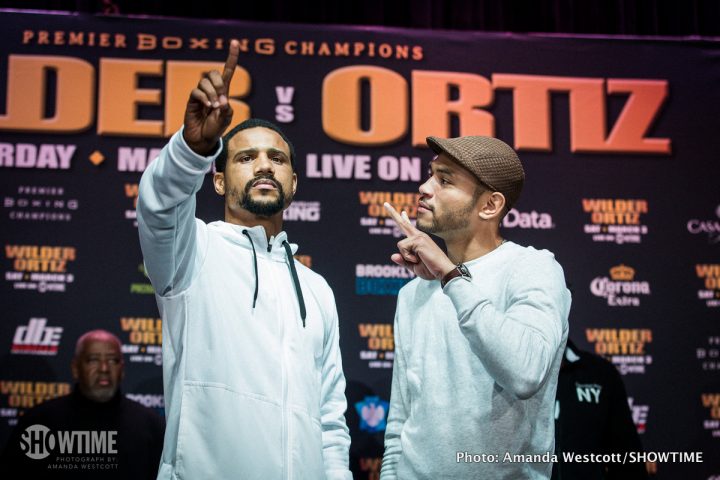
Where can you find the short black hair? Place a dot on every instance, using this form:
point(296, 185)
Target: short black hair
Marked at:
point(221, 160)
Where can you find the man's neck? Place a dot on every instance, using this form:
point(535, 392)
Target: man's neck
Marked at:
point(465, 247)
point(272, 225)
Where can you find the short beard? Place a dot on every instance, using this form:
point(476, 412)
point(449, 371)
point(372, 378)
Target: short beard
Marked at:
point(100, 395)
point(452, 221)
point(262, 208)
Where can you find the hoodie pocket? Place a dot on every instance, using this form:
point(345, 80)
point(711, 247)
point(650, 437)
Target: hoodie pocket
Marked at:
point(225, 434)
point(307, 447)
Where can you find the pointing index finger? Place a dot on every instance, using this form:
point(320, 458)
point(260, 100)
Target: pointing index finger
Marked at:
point(403, 222)
point(231, 62)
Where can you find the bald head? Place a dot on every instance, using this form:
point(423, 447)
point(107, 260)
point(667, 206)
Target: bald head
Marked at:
point(98, 365)
point(99, 335)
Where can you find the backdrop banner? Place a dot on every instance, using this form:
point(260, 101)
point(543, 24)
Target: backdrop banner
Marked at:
point(616, 135)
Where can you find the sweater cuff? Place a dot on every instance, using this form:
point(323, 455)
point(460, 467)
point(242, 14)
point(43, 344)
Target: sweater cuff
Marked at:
point(189, 160)
point(464, 296)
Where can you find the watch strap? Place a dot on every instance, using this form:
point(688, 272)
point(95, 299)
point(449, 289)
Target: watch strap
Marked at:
point(460, 270)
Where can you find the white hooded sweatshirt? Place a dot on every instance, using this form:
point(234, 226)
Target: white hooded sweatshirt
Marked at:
point(252, 389)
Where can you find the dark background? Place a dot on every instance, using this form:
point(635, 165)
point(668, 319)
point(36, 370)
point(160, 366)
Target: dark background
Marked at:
point(620, 17)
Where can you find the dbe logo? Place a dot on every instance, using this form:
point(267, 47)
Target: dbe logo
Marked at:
point(36, 338)
point(38, 441)
point(620, 290)
point(372, 412)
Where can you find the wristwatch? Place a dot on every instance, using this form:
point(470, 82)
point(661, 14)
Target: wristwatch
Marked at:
point(460, 270)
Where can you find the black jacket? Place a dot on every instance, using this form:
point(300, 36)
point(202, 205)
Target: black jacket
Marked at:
point(138, 441)
point(593, 416)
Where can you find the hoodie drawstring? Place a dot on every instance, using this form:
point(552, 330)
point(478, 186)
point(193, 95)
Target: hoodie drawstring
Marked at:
point(245, 232)
point(296, 281)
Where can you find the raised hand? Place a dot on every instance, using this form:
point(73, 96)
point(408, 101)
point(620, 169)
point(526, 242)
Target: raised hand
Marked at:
point(208, 112)
point(418, 252)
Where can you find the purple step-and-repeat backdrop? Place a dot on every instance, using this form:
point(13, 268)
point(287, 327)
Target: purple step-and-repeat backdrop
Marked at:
point(618, 137)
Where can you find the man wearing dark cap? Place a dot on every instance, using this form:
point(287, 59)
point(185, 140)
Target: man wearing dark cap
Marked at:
point(479, 336)
point(254, 386)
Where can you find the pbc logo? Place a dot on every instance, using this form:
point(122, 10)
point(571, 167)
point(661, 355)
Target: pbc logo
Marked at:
point(36, 338)
point(373, 414)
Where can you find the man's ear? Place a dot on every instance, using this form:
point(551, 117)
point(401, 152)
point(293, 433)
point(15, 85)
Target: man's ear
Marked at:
point(219, 183)
point(492, 205)
point(74, 369)
point(294, 183)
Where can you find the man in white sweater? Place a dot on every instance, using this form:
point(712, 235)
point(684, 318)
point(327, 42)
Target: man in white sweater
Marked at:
point(480, 334)
point(253, 378)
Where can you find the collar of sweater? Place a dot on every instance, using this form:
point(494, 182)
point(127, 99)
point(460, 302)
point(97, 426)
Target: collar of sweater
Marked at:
point(264, 247)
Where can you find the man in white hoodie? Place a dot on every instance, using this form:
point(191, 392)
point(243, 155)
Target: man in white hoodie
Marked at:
point(253, 379)
point(480, 334)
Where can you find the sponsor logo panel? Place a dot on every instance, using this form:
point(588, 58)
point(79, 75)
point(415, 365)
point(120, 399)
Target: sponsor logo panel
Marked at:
point(710, 291)
point(380, 349)
point(40, 268)
point(40, 203)
point(144, 339)
point(373, 414)
point(626, 348)
point(620, 289)
point(376, 218)
point(380, 279)
point(615, 220)
point(36, 338)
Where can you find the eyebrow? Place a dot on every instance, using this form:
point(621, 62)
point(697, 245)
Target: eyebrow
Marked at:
point(443, 170)
point(254, 151)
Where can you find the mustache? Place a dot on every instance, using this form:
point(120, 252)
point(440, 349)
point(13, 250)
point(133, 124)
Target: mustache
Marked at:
point(267, 178)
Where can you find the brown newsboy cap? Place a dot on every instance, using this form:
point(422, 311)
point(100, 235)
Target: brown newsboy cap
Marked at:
point(492, 161)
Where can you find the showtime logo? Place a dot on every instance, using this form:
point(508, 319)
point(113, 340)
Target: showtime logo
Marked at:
point(36, 338)
point(532, 220)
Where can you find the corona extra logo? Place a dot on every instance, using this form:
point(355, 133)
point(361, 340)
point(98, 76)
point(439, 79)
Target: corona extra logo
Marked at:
point(620, 289)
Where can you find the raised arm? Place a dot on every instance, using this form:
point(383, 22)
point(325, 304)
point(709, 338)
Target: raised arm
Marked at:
point(166, 200)
point(517, 346)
